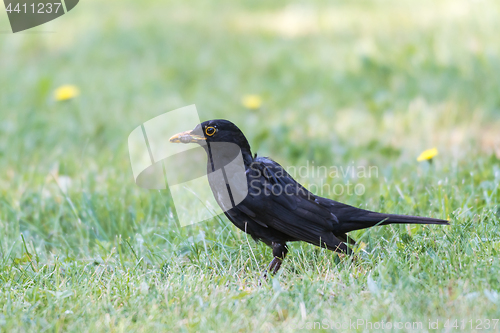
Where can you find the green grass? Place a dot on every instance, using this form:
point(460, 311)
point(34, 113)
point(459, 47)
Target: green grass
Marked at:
point(369, 83)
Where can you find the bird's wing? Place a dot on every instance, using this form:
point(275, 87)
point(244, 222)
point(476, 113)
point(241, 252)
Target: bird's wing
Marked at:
point(277, 201)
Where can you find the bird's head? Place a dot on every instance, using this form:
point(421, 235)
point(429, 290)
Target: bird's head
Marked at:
point(211, 131)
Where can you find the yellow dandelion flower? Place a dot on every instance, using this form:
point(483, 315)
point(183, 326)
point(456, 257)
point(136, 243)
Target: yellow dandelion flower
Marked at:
point(428, 154)
point(65, 92)
point(251, 102)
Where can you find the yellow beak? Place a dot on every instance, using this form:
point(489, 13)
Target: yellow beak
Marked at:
point(187, 137)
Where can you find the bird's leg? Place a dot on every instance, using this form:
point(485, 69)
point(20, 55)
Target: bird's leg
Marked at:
point(348, 240)
point(275, 265)
point(279, 253)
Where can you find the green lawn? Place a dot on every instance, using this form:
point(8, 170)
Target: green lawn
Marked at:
point(360, 83)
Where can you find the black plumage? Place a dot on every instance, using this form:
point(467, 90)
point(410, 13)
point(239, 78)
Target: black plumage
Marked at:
point(277, 209)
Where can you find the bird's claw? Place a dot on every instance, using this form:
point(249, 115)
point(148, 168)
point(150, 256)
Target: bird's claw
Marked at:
point(273, 268)
point(275, 265)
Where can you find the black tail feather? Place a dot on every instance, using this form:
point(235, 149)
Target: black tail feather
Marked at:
point(393, 219)
point(353, 218)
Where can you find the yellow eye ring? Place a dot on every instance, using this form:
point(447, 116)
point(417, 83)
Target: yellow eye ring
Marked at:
point(210, 131)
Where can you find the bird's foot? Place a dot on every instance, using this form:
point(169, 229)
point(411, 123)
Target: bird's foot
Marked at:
point(273, 268)
point(275, 265)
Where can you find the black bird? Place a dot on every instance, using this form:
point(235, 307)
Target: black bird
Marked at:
point(272, 207)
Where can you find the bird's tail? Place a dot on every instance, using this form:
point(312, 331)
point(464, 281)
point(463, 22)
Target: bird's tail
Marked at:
point(393, 218)
point(355, 218)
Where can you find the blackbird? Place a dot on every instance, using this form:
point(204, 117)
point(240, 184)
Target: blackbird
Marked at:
point(273, 207)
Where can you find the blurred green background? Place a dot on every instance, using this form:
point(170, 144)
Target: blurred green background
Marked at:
point(369, 82)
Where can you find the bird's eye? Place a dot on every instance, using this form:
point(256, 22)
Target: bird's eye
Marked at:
point(210, 130)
